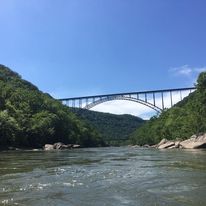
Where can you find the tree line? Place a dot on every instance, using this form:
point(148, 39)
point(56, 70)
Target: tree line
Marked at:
point(115, 129)
point(31, 118)
point(184, 119)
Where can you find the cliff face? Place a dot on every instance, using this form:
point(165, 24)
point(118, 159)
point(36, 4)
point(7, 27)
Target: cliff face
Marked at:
point(31, 118)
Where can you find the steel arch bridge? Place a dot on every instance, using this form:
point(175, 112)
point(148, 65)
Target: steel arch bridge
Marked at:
point(155, 99)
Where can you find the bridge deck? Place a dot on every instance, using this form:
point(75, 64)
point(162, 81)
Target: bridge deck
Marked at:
point(129, 93)
point(155, 99)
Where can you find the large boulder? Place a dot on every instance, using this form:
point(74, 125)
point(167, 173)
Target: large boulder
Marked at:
point(195, 142)
point(168, 144)
point(163, 141)
point(67, 146)
point(59, 145)
point(48, 147)
point(76, 146)
point(177, 144)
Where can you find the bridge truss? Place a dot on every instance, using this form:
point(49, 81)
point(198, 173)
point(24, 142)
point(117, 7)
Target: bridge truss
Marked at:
point(157, 100)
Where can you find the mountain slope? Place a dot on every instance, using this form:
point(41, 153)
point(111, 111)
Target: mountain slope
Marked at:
point(186, 118)
point(115, 129)
point(30, 118)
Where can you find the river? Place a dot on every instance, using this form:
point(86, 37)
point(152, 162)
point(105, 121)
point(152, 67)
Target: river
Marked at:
point(103, 176)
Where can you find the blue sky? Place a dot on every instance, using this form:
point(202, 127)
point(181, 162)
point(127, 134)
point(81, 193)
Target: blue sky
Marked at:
point(86, 47)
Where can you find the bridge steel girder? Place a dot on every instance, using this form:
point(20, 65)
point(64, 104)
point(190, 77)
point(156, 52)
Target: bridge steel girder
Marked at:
point(111, 98)
point(130, 96)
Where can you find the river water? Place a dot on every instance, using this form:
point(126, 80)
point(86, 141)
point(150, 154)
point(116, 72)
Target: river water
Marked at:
point(103, 176)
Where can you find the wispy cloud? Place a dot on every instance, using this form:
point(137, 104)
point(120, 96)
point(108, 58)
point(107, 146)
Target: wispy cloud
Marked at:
point(187, 70)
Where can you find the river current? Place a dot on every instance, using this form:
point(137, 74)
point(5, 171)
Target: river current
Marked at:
point(103, 176)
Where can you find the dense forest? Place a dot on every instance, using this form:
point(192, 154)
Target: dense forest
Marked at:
point(30, 118)
point(186, 118)
point(115, 129)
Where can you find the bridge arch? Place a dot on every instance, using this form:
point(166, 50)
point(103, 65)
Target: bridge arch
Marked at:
point(132, 99)
point(157, 100)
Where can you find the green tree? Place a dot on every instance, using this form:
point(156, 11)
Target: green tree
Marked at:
point(30, 118)
point(184, 119)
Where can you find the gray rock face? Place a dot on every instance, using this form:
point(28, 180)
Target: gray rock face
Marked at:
point(195, 142)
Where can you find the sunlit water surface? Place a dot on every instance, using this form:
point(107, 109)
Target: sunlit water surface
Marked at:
point(103, 176)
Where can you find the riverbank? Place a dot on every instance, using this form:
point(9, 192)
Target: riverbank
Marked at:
point(194, 142)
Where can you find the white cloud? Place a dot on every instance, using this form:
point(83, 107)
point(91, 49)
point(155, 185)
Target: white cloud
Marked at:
point(187, 70)
point(125, 107)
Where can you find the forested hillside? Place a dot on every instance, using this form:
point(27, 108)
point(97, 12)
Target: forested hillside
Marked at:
point(186, 118)
point(30, 118)
point(115, 129)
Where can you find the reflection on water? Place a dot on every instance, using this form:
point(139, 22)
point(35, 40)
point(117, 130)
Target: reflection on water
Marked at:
point(103, 176)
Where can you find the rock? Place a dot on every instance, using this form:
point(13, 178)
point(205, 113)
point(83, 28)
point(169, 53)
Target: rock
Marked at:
point(166, 145)
point(59, 145)
point(163, 141)
point(134, 146)
point(172, 147)
point(177, 144)
point(195, 142)
point(48, 147)
point(146, 146)
point(76, 146)
point(67, 146)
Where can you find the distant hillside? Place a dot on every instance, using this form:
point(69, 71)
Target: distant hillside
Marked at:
point(186, 118)
point(30, 118)
point(115, 129)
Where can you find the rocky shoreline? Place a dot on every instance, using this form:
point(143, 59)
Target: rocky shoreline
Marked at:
point(60, 146)
point(194, 142)
point(46, 147)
